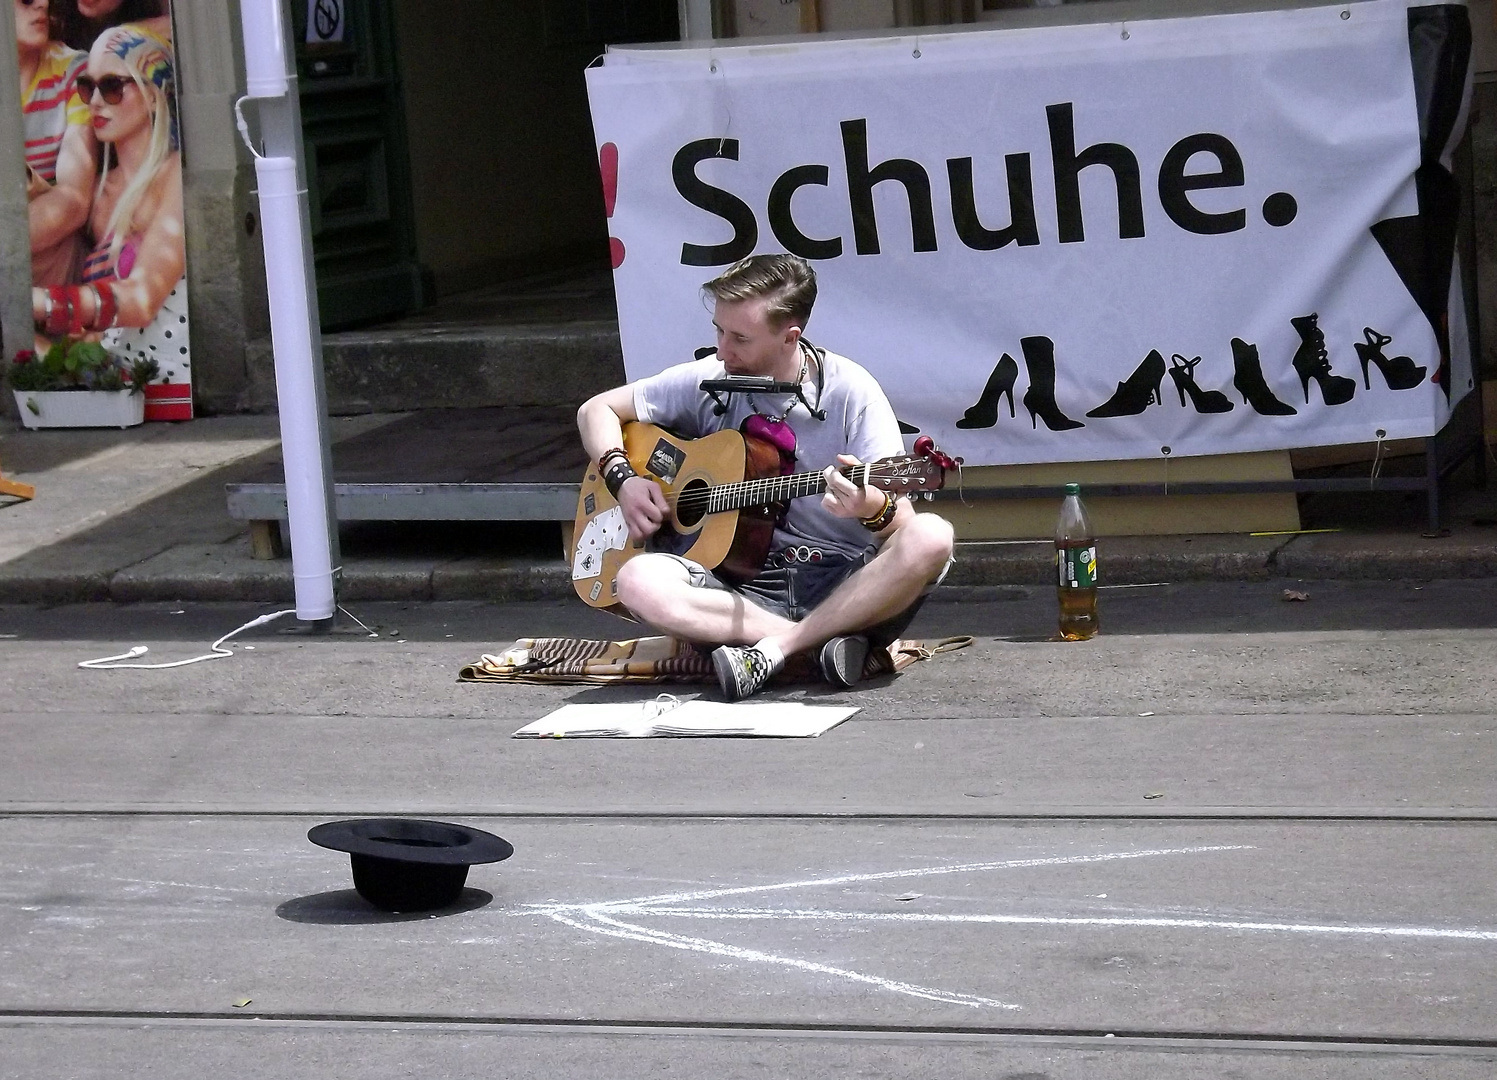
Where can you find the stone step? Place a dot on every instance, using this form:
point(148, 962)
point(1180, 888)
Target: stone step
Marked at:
point(400, 367)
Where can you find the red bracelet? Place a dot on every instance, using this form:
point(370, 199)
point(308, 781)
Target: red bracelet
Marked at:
point(617, 451)
point(75, 310)
point(108, 305)
point(57, 318)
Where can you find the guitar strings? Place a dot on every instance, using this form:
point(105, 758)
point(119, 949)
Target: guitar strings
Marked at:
point(754, 491)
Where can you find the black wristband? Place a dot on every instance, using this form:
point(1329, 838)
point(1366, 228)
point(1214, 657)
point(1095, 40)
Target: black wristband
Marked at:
point(615, 475)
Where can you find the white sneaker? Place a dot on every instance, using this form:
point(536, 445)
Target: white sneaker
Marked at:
point(740, 671)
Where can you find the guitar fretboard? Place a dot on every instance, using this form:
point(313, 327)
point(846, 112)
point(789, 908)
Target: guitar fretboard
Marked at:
point(779, 488)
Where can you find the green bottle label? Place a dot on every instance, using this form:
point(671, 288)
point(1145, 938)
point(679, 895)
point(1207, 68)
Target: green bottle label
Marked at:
point(1076, 567)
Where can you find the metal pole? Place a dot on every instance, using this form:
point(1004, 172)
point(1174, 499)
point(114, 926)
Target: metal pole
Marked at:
point(696, 19)
point(16, 328)
point(296, 339)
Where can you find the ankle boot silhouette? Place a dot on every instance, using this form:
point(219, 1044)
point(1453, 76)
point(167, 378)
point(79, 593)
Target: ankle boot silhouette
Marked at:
point(1205, 401)
point(1400, 373)
point(1138, 391)
point(1039, 399)
point(985, 412)
point(1247, 377)
point(1312, 362)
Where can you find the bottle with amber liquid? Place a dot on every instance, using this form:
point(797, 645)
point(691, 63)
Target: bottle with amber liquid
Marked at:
point(1076, 568)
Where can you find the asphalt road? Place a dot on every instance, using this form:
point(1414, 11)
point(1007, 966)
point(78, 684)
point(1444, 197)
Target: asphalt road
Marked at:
point(1235, 836)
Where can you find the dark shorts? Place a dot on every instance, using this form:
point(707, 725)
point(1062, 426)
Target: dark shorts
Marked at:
point(793, 584)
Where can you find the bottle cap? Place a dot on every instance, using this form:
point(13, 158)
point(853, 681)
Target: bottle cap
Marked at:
point(1073, 489)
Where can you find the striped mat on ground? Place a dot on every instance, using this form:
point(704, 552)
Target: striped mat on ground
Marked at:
point(662, 660)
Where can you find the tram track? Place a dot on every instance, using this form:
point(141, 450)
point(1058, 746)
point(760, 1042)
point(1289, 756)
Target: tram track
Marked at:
point(1060, 1037)
point(1164, 815)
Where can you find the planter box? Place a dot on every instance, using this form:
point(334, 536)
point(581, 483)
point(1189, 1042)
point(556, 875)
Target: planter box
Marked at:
point(80, 408)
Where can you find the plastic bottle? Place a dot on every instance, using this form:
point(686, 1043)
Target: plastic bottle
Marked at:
point(1076, 568)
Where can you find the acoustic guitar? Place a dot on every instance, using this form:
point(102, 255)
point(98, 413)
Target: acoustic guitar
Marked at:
point(725, 495)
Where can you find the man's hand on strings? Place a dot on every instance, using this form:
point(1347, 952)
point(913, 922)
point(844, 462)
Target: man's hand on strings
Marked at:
point(845, 499)
point(644, 506)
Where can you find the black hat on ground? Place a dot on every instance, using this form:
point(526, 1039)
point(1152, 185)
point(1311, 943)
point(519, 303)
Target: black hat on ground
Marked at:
point(408, 864)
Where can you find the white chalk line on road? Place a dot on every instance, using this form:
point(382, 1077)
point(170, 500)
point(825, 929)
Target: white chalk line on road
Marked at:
point(894, 875)
point(604, 917)
point(611, 927)
point(1470, 934)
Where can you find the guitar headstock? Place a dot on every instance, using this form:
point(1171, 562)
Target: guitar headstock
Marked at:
point(925, 446)
point(924, 470)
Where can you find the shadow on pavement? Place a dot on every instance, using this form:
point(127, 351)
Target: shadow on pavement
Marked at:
point(345, 907)
point(39, 451)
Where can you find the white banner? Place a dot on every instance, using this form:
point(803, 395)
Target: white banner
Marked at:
point(1196, 233)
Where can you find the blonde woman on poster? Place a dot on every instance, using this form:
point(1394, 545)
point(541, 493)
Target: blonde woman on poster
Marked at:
point(60, 147)
point(132, 289)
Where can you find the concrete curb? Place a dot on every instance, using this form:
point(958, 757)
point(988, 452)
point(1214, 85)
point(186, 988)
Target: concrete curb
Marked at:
point(225, 572)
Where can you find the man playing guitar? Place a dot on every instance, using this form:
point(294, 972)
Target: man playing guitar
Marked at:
point(846, 569)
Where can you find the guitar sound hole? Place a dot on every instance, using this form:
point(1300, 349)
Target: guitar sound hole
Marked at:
point(691, 503)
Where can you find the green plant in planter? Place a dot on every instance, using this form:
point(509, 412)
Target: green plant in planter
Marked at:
point(141, 372)
point(78, 365)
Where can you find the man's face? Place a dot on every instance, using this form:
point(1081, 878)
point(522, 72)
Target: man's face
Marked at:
point(747, 342)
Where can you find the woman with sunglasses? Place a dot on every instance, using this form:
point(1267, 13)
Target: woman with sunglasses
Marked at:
point(60, 147)
point(132, 278)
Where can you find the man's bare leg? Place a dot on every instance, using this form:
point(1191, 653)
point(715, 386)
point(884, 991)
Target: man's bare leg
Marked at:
point(657, 590)
point(908, 562)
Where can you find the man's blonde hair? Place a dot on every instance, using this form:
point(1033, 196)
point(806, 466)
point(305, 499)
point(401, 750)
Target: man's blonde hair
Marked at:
point(786, 281)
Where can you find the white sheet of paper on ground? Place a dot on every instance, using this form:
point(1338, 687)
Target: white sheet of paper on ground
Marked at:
point(666, 716)
point(605, 531)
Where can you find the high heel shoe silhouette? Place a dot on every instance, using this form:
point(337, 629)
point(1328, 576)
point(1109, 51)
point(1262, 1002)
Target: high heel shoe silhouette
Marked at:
point(1138, 391)
point(1247, 377)
point(1205, 401)
point(1400, 373)
point(1039, 399)
point(985, 412)
point(1312, 362)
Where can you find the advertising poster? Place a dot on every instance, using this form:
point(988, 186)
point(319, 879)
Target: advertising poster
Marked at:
point(104, 173)
point(1215, 234)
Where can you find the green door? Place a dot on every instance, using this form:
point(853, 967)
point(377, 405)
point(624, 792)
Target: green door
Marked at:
point(358, 177)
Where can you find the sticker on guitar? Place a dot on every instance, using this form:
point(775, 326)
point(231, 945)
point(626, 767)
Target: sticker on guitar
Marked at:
point(604, 532)
point(666, 461)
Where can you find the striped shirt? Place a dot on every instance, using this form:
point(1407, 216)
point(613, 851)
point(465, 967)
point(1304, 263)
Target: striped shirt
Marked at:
point(51, 105)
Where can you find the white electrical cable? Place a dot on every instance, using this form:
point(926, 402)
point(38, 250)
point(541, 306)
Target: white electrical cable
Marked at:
point(355, 618)
point(217, 652)
point(243, 126)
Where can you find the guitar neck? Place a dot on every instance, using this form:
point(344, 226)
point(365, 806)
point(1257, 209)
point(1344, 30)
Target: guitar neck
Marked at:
point(772, 489)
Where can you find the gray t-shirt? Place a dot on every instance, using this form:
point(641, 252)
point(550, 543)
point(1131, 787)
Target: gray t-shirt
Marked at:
point(859, 421)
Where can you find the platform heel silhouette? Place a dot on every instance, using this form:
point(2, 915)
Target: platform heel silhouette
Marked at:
point(1312, 362)
point(1400, 372)
point(1205, 401)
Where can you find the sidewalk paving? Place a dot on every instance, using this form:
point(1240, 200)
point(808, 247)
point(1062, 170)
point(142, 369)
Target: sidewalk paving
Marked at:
point(140, 515)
